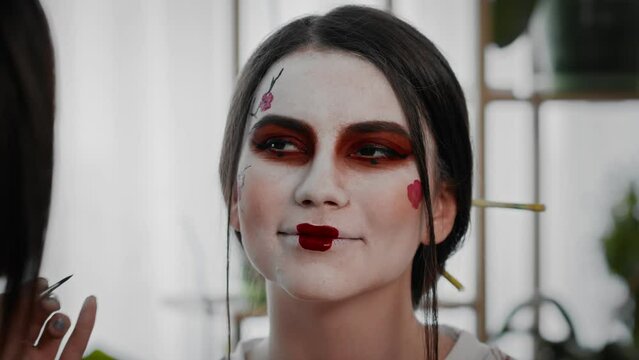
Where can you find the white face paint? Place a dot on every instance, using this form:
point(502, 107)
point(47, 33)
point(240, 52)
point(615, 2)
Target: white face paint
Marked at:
point(331, 149)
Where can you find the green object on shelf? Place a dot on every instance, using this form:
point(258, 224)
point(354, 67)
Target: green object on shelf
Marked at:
point(622, 251)
point(595, 82)
point(98, 355)
point(510, 19)
point(593, 45)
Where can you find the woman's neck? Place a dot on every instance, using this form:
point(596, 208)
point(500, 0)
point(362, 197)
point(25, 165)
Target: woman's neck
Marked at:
point(379, 324)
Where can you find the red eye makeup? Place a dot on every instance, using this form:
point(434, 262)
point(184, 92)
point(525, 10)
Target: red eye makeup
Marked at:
point(368, 143)
point(281, 146)
point(376, 142)
point(376, 151)
point(284, 139)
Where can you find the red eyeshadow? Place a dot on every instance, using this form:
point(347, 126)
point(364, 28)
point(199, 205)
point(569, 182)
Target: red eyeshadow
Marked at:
point(264, 137)
point(397, 148)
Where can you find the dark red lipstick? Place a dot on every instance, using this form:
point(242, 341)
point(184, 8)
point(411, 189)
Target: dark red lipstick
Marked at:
point(316, 238)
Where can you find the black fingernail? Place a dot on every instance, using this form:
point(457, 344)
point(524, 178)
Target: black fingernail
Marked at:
point(58, 324)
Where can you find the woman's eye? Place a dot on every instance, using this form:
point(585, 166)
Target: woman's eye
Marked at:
point(280, 146)
point(368, 152)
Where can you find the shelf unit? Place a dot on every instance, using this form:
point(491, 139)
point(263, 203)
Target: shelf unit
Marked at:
point(486, 96)
point(536, 100)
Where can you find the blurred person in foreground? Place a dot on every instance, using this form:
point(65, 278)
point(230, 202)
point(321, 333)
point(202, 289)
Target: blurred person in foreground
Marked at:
point(26, 165)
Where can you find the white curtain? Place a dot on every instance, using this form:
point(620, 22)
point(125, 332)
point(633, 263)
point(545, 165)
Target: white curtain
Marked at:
point(137, 216)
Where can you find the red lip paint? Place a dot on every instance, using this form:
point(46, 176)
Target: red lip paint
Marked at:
point(414, 192)
point(316, 238)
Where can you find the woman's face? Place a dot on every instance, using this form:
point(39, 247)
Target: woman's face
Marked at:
point(328, 199)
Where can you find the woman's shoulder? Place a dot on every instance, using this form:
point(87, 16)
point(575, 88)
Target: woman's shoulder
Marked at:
point(465, 347)
point(468, 347)
point(243, 348)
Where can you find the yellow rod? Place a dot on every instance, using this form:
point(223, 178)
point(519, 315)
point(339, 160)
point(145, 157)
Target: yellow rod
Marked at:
point(451, 279)
point(494, 204)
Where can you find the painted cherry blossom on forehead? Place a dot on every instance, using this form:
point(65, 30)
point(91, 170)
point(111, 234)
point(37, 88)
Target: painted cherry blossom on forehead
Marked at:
point(267, 97)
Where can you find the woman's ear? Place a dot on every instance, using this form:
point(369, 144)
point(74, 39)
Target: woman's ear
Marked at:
point(234, 215)
point(444, 212)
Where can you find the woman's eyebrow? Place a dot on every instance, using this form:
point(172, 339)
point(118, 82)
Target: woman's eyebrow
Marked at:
point(374, 127)
point(284, 122)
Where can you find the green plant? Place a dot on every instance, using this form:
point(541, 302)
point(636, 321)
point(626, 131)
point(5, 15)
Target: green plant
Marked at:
point(253, 286)
point(622, 250)
point(98, 355)
point(510, 19)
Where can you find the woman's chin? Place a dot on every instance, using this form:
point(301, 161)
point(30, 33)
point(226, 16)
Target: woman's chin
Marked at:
point(319, 291)
point(313, 295)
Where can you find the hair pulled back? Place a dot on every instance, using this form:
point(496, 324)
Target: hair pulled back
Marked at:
point(430, 96)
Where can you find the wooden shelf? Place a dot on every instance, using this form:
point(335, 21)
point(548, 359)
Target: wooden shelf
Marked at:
point(548, 95)
point(588, 96)
point(456, 305)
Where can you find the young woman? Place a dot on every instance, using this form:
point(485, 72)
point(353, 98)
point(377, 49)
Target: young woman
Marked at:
point(347, 169)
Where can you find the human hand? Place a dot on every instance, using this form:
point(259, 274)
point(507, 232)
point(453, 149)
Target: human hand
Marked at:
point(26, 327)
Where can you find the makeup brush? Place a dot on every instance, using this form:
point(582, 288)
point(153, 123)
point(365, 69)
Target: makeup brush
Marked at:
point(451, 279)
point(494, 204)
point(51, 288)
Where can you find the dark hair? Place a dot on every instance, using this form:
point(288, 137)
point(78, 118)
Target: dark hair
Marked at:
point(429, 94)
point(26, 147)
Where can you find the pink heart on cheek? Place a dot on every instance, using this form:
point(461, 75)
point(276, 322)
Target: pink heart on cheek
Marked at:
point(414, 192)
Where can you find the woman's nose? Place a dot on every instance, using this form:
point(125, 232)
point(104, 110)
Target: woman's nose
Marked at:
point(321, 185)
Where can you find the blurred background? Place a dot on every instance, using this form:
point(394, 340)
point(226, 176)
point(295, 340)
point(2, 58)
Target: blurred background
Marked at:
point(138, 218)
